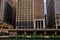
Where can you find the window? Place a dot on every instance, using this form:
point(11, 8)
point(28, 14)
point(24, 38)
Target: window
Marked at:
point(25, 24)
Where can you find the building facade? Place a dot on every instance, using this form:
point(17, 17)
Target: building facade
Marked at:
point(1, 10)
point(39, 20)
point(6, 11)
point(30, 14)
point(53, 13)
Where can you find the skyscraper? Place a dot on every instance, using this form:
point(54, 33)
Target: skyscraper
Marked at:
point(1, 10)
point(53, 13)
point(30, 14)
point(39, 20)
point(6, 11)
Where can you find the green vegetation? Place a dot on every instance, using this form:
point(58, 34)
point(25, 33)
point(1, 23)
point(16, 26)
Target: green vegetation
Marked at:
point(54, 36)
point(34, 37)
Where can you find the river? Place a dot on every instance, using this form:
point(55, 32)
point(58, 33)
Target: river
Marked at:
point(29, 39)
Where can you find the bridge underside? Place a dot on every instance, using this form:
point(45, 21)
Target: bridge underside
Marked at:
point(39, 32)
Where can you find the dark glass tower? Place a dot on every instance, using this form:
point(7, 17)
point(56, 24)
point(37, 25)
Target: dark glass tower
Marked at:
point(6, 12)
point(53, 13)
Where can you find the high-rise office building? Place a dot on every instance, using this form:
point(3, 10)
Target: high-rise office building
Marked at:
point(6, 11)
point(30, 14)
point(1, 10)
point(53, 13)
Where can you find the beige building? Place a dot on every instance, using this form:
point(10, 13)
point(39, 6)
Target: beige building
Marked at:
point(30, 14)
point(53, 13)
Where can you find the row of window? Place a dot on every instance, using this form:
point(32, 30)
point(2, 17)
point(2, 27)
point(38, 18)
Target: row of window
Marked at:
point(24, 10)
point(24, 23)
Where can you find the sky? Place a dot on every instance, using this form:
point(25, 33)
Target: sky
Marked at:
point(44, 6)
point(45, 1)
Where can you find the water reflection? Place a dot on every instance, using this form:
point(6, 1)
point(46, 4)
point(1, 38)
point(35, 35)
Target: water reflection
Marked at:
point(28, 39)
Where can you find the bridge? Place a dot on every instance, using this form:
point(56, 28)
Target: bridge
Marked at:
point(33, 31)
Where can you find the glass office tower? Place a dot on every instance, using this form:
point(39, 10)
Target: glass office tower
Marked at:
point(53, 13)
point(6, 12)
